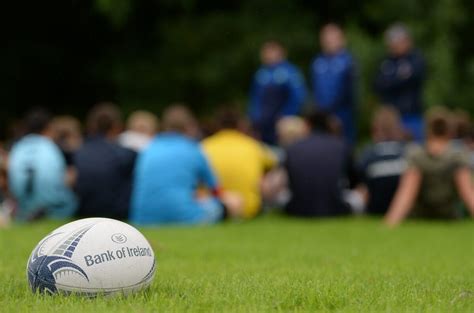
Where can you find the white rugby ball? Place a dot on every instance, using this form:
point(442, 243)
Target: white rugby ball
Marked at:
point(92, 256)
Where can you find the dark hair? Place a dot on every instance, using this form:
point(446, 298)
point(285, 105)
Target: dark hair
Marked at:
point(37, 121)
point(439, 126)
point(103, 118)
point(228, 118)
point(318, 120)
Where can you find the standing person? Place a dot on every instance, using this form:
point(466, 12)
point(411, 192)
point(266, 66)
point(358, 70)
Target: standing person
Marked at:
point(104, 169)
point(382, 163)
point(317, 171)
point(37, 173)
point(239, 161)
point(400, 77)
point(168, 174)
point(278, 90)
point(436, 174)
point(333, 78)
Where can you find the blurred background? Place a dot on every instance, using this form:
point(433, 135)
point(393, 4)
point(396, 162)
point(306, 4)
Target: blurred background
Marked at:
point(67, 55)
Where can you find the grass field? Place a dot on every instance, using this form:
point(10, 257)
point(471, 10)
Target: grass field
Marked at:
point(276, 264)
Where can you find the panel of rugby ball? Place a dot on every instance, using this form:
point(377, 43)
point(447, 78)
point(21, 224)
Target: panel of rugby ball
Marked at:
point(92, 256)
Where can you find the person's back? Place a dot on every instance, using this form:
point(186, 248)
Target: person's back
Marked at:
point(437, 176)
point(381, 166)
point(104, 168)
point(37, 176)
point(316, 171)
point(239, 162)
point(167, 175)
point(104, 178)
point(382, 163)
point(438, 196)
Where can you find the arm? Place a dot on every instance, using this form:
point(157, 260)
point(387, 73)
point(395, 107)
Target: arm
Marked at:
point(269, 159)
point(404, 197)
point(346, 94)
point(297, 93)
point(313, 76)
point(465, 188)
point(207, 177)
point(402, 77)
point(255, 101)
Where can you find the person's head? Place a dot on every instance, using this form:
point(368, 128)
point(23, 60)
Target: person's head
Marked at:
point(290, 129)
point(272, 52)
point(317, 120)
point(438, 124)
point(67, 132)
point(386, 125)
point(179, 119)
point(229, 118)
point(398, 39)
point(38, 121)
point(143, 122)
point(332, 38)
point(105, 120)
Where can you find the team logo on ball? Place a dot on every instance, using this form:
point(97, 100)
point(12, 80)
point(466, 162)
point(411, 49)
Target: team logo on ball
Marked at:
point(44, 270)
point(119, 238)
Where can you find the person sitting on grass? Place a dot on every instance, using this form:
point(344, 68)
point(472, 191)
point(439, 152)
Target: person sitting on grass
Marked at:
point(104, 169)
point(317, 171)
point(168, 174)
point(239, 161)
point(382, 163)
point(275, 191)
point(435, 175)
point(37, 173)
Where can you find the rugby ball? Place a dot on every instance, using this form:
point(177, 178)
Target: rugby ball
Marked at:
point(92, 256)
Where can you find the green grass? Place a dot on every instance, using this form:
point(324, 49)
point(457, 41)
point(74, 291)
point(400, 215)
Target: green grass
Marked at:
point(276, 264)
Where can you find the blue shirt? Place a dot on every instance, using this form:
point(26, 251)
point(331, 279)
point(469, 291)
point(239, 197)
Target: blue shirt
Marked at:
point(332, 78)
point(37, 172)
point(167, 175)
point(278, 90)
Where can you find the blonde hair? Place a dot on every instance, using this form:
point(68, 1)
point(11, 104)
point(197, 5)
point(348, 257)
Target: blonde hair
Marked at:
point(143, 122)
point(291, 129)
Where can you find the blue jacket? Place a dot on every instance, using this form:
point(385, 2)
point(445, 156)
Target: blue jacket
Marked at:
point(333, 81)
point(399, 82)
point(278, 90)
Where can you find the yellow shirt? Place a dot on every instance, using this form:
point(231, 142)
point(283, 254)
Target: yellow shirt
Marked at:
point(239, 162)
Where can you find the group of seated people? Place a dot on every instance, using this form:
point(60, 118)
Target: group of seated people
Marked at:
point(175, 173)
